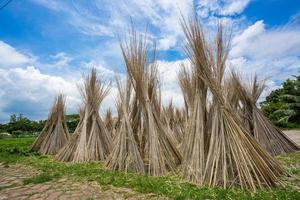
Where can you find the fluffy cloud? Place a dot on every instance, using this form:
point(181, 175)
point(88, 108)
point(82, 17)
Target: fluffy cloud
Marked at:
point(270, 53)
point(233, 7)
point(61, 59)
point(9, 56)
point(168, 72)
point(207, 8)
point(256, 42)
point(166, 43)
point(31, 92)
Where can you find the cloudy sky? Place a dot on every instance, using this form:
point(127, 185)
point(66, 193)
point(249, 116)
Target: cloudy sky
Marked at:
point(47, 45)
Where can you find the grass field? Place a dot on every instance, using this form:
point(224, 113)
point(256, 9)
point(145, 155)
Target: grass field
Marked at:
point(16, 151)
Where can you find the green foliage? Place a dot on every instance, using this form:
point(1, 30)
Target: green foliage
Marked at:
point(17, 133)
point(170, 186)
point(282, 106)
point(72, 121)
point(20, 125)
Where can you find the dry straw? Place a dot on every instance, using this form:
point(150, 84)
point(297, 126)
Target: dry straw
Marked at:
point(110, 123)
point(55, 133)
point(158, 145)
point(173, 120)
point(195, 95)
point(91, 140)
point(125, 155)
point(269, 136)
point(233, 156)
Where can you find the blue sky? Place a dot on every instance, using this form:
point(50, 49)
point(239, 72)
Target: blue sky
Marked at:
point(46, 45)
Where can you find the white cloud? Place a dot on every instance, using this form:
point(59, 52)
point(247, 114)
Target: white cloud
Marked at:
point(206, 8)
point(166, 43)
point(233, 7)
point(32, 92)
point(61, 59)
point(168, 72)
point(105, 73)
point(250, 33)
point(256, 42)
point(270, 53)
point(28, 90)
point(9, 56)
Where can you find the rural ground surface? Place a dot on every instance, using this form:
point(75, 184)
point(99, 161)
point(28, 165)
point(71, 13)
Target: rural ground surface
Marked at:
point(15, 184)
point(294, 135)
point(12, 177)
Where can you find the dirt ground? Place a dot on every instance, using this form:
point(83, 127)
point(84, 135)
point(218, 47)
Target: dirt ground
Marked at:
point(12, 187)
point(294, 135)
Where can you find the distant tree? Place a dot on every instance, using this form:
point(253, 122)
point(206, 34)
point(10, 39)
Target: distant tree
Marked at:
point(3, 128)
point(21, 123)
point(72, 121)
point(13, 118)
point(282, 106)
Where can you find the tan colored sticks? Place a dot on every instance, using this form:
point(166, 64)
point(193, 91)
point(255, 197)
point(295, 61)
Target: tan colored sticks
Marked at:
point(91, 140)
point(55, 133)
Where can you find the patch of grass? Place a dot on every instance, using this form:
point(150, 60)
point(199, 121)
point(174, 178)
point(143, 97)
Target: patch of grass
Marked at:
point(292, 162)
point(17, 146)
point(42, 178)
point(16, 142)
point(171, 186)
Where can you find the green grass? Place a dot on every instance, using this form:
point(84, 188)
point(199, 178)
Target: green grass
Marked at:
point(171, 186)
point(16, 146)
point(41, 178)
point(15, 143)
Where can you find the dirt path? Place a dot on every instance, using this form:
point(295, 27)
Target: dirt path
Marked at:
point(12, 187)
point(294, 135)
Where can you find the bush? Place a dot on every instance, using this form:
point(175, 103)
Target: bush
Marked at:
point(17, 133)
point(282, 106)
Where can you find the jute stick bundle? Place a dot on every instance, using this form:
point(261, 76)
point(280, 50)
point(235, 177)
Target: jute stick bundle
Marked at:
point(125, 155)
point(264, 132)
point(55, 133)
point(159, 149)
point(91, 140)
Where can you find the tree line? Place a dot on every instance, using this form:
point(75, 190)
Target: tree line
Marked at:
point(20, 125)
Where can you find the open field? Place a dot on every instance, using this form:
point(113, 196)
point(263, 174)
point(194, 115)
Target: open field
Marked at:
point(23, 174)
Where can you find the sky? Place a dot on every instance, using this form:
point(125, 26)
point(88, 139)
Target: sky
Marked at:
point(46, 46)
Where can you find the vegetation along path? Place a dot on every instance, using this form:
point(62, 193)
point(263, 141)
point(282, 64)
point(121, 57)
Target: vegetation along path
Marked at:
point(20, 182)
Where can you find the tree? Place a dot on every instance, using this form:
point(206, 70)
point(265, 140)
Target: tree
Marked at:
point(21, 123)
point(72, 121)
point(282, 106)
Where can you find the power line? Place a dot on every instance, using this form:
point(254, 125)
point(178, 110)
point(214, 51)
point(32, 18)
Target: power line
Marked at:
point(5, 4)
